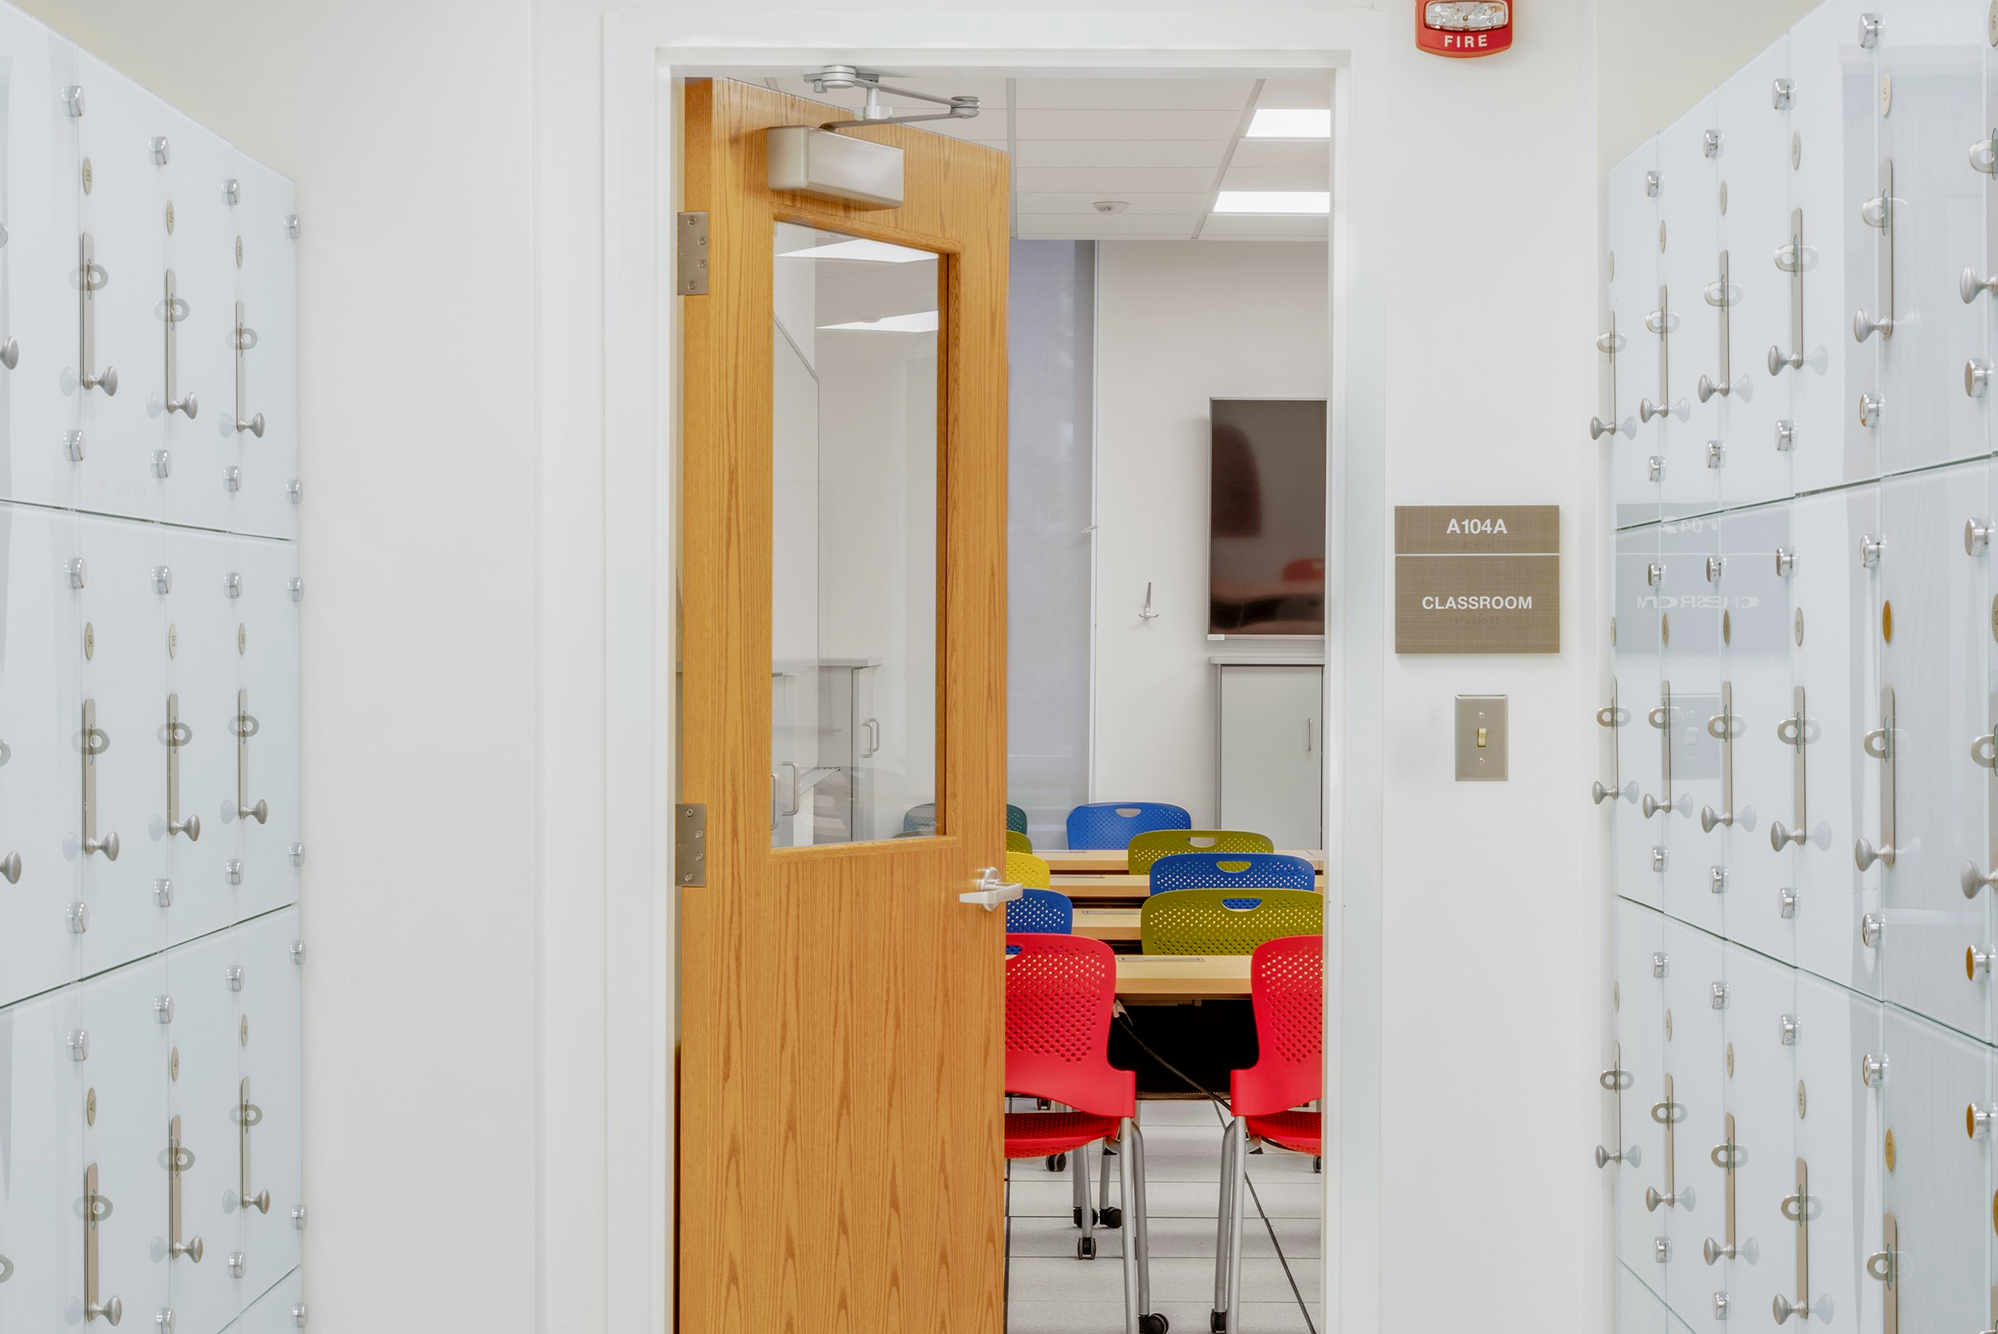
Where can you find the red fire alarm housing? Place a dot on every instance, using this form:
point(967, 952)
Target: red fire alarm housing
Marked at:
point(1463, 28)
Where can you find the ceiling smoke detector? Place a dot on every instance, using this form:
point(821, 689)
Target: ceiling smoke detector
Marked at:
point(1111, 205)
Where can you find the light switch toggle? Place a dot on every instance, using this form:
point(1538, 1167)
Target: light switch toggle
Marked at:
point(1481, 738)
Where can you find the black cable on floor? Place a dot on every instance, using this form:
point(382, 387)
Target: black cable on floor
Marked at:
point(1220, 1105)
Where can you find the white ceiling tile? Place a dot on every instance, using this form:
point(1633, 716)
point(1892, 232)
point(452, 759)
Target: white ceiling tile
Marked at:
point(1308, 154)
point(1078, 203)
point(1113, 182)
point(1232, 227)
point(1116, 224)
point(1315, 93)
point(1124, 153)
point(1112, 125)
point(1133, 94)
point(1277, 178)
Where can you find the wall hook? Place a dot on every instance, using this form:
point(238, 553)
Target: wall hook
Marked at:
point(1145, 612)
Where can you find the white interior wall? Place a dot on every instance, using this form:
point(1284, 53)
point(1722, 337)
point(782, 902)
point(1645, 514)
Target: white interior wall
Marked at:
point(1178, 323)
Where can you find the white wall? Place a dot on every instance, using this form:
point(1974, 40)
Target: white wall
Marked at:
point(1178, 323)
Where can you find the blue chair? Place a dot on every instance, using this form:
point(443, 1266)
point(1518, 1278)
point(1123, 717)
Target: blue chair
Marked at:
point(1113, 824)
point(1041, 911)
point(1232, 870)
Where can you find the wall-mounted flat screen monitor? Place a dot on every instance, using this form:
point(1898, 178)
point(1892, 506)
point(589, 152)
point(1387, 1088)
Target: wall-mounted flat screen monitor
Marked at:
point(1266, 510)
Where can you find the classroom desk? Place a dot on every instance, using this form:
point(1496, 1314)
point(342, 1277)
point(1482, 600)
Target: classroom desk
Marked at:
point(1182, 977)
point(1113, 861)
point(1110, 925)
point(1114, 891)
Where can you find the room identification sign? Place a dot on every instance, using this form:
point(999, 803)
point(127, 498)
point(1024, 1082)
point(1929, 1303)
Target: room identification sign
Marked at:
point(1477, 579)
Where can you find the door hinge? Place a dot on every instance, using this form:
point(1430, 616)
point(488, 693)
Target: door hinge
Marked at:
point(690, 263)
point(690, 845)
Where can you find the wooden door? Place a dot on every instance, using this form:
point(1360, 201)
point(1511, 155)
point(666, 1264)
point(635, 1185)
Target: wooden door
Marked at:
point(842, 1013)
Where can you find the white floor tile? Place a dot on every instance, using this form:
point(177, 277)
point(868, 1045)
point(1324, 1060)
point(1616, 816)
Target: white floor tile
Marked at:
point(1042, 1317)
point(1172, 1239)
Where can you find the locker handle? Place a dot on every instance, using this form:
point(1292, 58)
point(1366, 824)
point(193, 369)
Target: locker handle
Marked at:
point(96, 1208)
point(245, 726)
point(248, 1114)
point(95, 741)
point(179, 1159)
point(244, 339)
point(173, 312)
point(178, 734)
point(91, 278)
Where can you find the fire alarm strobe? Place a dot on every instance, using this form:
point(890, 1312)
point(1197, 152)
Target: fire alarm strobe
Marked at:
point(1463, 28)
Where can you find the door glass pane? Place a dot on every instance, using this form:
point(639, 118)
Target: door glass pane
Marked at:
point(854, 539)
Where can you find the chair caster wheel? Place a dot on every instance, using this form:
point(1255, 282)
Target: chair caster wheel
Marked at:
point(1057, 1162)
point(1153, 1324)
point(1077, 1215)
point(1111, 1217)
point(1217, 1321)
point(1318, 1164)
point(1085, 1248)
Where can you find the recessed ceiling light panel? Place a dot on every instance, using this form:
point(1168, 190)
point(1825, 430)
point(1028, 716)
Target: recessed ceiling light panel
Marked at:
point(1290, 123)
point(1274, 201)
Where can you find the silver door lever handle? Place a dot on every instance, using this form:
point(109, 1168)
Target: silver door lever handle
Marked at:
point(992, 890)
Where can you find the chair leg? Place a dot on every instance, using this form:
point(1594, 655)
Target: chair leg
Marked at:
point(1240, 1190)
point(1138, 1230)
point(1085, 1217)
point(1078, 1175)
point(1132, 1303)
point(1223, 1213)
point(1111, 1215)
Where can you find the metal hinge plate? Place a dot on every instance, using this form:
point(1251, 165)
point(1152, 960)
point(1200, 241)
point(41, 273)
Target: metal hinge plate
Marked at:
point(690, 844)
point(690, 261)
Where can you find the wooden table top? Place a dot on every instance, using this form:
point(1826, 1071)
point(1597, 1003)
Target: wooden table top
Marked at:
point(1113, 861)
point(1173, 977)
point(1108, 924)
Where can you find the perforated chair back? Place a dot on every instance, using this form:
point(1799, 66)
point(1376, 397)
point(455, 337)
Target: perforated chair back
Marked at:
point(1016, 819)
point(1149, 847)
point(1287, 988)
point(1060, 991)
point(1232, 870)
point(921, 819)
point(1018, 842)
point(1113, 824)
point(1042, 911)
point(1024, 868)
point(1199, 921)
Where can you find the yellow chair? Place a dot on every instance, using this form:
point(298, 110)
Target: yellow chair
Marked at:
point(1028, 871)
point(1147, 848)
point(1199, 921)
point(1018, 842)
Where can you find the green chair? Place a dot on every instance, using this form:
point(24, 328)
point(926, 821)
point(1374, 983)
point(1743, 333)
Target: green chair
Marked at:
point(1199, 921)
point(1016, 819)
point(1147, 848)
point(1018, 842)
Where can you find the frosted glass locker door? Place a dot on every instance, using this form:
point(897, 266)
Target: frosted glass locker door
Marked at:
point(1639, 998)
point(201, 674)
point(272, 1235)
point(205, 978)
point(121, 216)
point(1689, 266)
point(1839, 1145)
point(281, 1310)
point(1834, 161)
point(1639, 1310)
point(128, 1015)
point(1642, 747)
point(1835, 663)
point(267, 286)
point(1695, 881)
point(1930, 105)
point(39, 315)
point(36, 1124)
point(1757, 769)
point(1633, 285)
point(1938, 1183)
point(1694, 1197)
point(123, 676)
point(199, 436)
point(1755, 227)
point(267, 747)
point(1761, 1096)
point(1272, 752)
point(1934, 630)
point(38, 763)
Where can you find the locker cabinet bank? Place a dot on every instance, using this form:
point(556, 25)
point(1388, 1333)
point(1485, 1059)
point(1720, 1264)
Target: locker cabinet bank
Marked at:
point(150, 953)
point(1798, 736)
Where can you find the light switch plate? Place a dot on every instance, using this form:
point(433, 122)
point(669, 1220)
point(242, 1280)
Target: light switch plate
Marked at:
point(1481, 738)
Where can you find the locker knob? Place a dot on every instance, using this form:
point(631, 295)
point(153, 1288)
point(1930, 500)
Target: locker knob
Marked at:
point(261, 1201)
point(1598, 428)
point(1976, 536)
point(1716, 566)
point(10, 867)
point(255, 426)
point(107, 380)
point(1971, 879)
point(1864, 854)
point(1781, 836)
point(1864, 326)
point(1976, 377)
point(1977, 1120)
point(1602, 794)
point(1784, 1309)
point(1646, 410)
point(113, 1311)
point(1708, 388)
point(6, 1269)
point(1652, 806)
point(186, 403)
point(1872, 1072)
point(1969, 284)
point(1604, 1157)
point(1711, 819)
point(1778, 359)
point(1713, 1252)
point(1653, 1201)
point(108, 845)
point(1870, 928)
point(191, 826)
point(1869, 409)
point(260, 812)
point(1654, 574)
point(10, 354)
point(1977, 962)
point(191, 1248)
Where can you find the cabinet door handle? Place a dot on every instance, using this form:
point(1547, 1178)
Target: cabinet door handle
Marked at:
point(175, 312)
point(245, 339)
point(91, 277)
point(1307, 736)
point(248, 1114)
point(245, 726)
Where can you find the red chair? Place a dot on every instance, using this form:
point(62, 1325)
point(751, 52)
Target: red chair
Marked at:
point(1060, 995)
point(1287, 988)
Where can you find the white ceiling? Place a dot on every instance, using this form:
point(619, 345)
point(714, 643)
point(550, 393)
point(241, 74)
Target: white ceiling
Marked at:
point(1164, 146)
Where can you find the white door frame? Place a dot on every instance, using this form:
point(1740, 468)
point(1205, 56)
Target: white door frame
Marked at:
point(643, 51)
